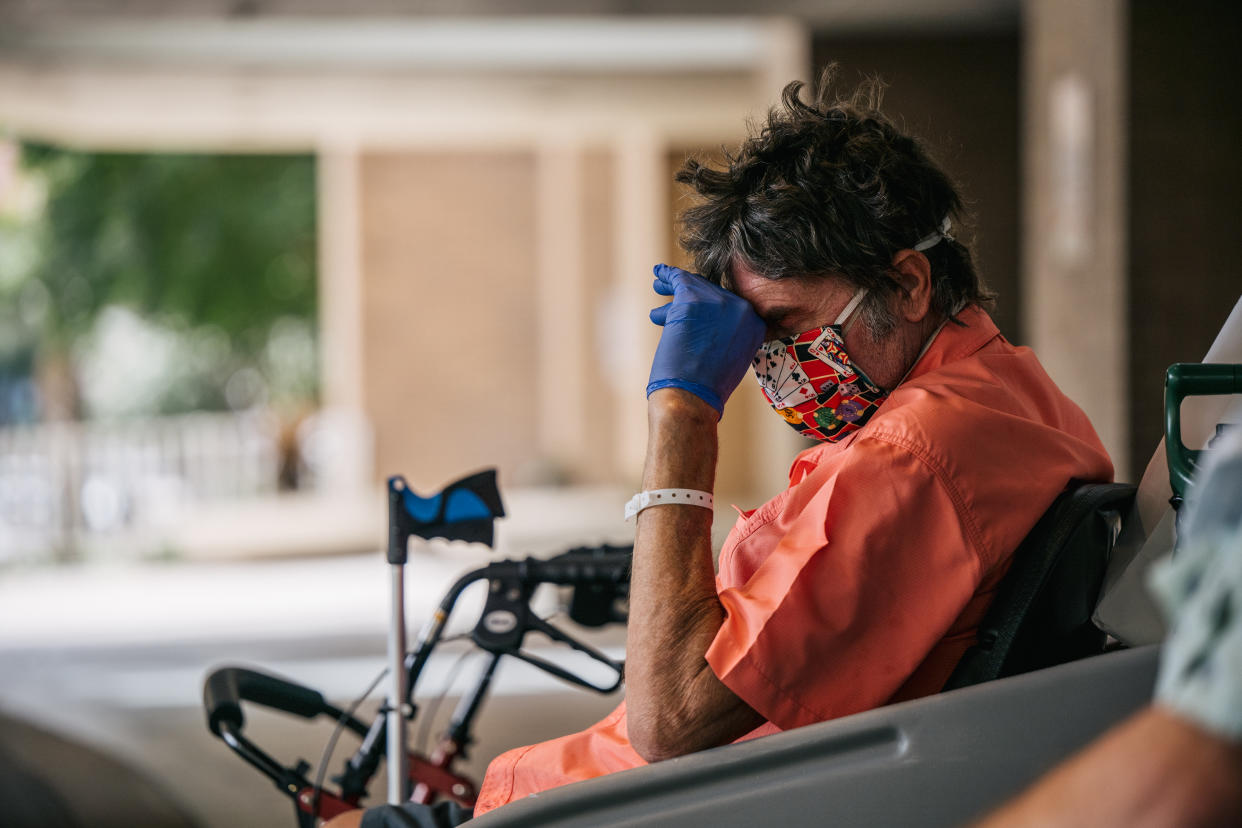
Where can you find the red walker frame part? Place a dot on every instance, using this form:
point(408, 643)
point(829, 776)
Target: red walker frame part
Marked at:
point(430, 780)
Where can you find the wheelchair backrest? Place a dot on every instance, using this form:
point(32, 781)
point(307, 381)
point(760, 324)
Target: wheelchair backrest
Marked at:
point(1042, 613)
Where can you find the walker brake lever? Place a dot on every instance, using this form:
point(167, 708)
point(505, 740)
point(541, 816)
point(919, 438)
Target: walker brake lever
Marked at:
point(557, 634)
point(507, 618)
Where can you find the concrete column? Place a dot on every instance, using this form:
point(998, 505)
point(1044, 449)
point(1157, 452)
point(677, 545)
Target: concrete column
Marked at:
point(562, 314)
point(345, 442)
point(1074, 241)
point(642, 223)
point(340, 276)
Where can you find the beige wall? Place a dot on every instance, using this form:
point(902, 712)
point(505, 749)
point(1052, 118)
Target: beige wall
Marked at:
point(448, 313)
point(595, 462)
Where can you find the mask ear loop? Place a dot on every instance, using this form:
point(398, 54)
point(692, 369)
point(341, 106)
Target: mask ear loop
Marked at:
point(848, 310)
point(931, 240)
point(923, 244)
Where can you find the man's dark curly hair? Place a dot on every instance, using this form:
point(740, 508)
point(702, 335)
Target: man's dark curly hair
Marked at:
point(829, 187)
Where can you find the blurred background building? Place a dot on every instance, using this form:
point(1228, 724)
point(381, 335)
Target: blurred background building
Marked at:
point(443, 262)
point(488, 196)
point(257, 255)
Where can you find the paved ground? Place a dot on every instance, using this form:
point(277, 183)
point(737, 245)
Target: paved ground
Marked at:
point(114, 656)
point(138, 699)
point(140, 705)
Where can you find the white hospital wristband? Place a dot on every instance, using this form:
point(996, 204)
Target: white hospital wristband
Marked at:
point(667, 497)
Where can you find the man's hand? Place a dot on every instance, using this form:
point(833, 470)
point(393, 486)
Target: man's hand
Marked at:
point(710, 336)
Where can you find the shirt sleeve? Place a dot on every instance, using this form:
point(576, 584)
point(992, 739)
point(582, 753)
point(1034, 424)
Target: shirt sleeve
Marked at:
point(873, 567)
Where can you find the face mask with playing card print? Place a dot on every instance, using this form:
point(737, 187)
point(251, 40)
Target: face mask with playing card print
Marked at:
point(814, 385)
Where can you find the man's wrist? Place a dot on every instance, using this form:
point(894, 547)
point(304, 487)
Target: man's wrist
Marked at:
point(682, 405)
point(681, 441)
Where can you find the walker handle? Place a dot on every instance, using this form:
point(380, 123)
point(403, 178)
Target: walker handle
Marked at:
point(227, 687)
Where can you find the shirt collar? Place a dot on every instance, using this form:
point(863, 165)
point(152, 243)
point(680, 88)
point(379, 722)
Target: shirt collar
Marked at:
point(954, 341)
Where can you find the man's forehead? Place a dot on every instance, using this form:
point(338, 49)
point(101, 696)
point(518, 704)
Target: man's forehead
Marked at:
point(793, 303)
point(787, 292)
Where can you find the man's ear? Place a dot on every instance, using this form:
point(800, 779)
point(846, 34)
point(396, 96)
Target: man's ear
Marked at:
point(912, 272)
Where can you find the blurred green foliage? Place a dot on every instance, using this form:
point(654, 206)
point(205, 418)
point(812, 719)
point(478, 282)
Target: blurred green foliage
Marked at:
point(225, 240)
point(223, 244)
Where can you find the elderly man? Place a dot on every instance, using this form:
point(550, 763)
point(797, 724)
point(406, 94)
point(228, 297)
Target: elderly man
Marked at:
point(828, 269)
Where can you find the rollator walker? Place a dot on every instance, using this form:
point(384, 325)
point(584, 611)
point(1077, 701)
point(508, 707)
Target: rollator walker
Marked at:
point(464, 511)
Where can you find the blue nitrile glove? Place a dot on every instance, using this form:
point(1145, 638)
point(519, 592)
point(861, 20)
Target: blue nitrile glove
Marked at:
point(710, 336)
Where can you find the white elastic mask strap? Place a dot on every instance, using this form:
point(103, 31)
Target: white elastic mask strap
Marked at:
point(848, 310)
point(935, 238)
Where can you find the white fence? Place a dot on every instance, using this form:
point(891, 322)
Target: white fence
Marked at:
point(72, 490)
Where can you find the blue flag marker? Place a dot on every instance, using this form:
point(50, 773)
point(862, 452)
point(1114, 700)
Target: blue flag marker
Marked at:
point(464, 510)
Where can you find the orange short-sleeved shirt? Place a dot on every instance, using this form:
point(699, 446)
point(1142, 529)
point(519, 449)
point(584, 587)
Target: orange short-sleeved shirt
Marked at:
point(866, 579)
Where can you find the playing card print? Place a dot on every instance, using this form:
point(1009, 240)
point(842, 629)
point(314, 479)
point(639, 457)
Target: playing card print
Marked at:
point(826, 349)
point(783, 380)
point(813, 385)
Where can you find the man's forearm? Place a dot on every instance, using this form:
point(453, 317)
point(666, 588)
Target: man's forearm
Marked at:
point(675, 702)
